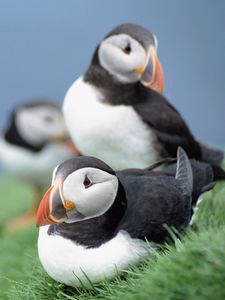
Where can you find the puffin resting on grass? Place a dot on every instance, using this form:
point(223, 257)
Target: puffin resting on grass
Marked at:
point(35, 141)
point(95, 221)
point(116, 111)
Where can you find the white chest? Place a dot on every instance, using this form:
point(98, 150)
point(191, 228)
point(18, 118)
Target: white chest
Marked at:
point(69, 263)
point(115, 134)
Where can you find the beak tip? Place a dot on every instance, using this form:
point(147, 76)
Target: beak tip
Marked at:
point(43, 210)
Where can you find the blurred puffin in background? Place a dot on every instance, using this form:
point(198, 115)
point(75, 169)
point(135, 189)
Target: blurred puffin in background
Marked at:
point(116, 111)
point(97, 220)
point(35, 141)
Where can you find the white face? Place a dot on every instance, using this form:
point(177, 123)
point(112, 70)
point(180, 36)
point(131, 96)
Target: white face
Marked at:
point(40, 124)
point(120, 55)
point(92, 191)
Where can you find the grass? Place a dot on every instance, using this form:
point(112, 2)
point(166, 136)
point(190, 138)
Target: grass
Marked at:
point(194, 268)
point(14, 246)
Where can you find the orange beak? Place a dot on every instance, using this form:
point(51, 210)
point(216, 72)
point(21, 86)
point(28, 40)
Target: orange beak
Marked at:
point(53, 208)
point(151, 72)
point(43, 213)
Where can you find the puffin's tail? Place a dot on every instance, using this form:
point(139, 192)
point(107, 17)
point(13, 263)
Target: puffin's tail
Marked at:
point(211, 156)
point(215, 158)
point(203, 178)
point(218, 172)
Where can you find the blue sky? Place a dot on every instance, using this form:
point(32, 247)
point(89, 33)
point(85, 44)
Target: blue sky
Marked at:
point(46, 45)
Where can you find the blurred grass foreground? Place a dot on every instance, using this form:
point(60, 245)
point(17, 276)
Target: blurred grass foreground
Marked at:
point(192, 269)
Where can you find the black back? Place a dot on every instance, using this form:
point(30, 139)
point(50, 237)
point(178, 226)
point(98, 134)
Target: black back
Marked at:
point(154, 201)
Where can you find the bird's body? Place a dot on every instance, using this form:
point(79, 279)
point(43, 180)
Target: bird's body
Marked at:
point(102, 246)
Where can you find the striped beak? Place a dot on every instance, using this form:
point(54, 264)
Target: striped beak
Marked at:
point(151, 72)
point(53, 208)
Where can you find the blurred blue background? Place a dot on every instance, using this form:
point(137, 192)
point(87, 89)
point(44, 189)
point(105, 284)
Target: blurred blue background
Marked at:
point(46, 45)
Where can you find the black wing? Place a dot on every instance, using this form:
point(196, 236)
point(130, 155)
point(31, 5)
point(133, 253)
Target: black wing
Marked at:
point(157, 199)
point(170, 128)
point(153, 202)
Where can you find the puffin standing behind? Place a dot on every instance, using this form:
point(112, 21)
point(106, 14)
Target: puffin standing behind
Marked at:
point(116, 111)
point(97, 220)
point(32, 145)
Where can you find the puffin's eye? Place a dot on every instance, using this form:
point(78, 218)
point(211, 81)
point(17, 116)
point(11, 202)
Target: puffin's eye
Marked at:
point(127, 49)
point(87, 182)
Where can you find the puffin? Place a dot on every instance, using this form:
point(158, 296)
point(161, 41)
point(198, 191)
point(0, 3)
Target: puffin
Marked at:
point(96, 222)
point(116, 111)
point(34, 142)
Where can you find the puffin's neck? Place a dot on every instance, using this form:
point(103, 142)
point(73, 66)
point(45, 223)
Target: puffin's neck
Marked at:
point(114, 92)
point(94, 232)
point(13, 137)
